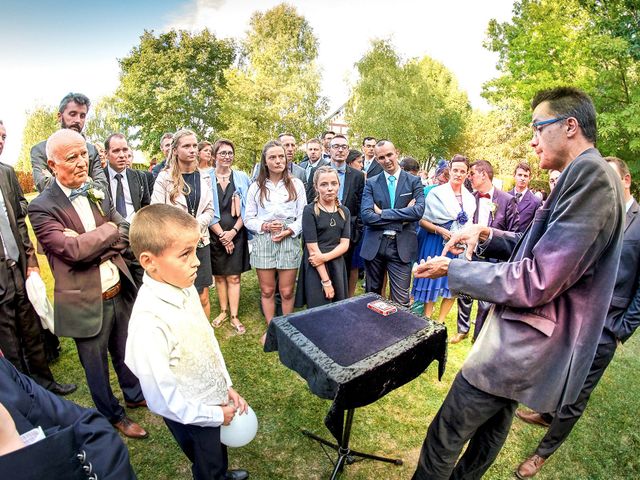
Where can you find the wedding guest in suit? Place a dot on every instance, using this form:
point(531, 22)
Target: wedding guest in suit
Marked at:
point(84, 237)
point(78, 442)
point(448, 208)
point(314, 158)
point(72, 114)
point(326, 138)
point(371, 168)
point(288, 142)
point(392, 204)
point(495, 209)
point(229, 239)
point(322, 277)
point(184, 186)
point(165, 148)
point(528, 203)
point(20, 329)
point(127, 189)
point(205, 157)
point(275, 202)
point(539, 343)
point(622, 321)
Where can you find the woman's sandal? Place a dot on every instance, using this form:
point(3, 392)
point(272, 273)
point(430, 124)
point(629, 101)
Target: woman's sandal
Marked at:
point(240, 328)
point(220, 318)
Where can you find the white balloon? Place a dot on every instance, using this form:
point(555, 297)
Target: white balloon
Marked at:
point(241, 430)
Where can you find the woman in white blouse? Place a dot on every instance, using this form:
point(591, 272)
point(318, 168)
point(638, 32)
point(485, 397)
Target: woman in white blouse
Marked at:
point(273, 213)
point(182, 185)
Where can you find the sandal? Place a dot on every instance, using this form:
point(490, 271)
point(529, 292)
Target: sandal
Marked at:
point(239, 327)
point(220, 318)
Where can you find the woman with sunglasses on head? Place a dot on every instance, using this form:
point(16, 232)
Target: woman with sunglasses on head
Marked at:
point(229, 240)
point(275, 202)
point(183, 185)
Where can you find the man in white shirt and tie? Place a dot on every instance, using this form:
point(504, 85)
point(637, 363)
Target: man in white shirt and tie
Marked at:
point(371, 167)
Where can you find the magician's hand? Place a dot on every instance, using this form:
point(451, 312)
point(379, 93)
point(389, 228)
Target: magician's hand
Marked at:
point(435, 267)
point(469, 236)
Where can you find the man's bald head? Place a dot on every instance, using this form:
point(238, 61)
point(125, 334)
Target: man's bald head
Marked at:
point(68, 158)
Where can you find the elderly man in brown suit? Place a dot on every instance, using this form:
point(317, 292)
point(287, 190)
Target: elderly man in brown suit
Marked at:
point(537, 346)
point(84, 238)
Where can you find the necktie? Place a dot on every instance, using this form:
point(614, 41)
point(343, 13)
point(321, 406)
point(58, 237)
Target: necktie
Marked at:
point(79, 192)
point(392, 189)
point(7, 234)
point(341, 189)
point(120, 205)
point(518, 197)
point(483, 195)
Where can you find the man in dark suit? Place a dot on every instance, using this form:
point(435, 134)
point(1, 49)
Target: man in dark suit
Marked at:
point(288, 142)
point(127, 188)
point(326, 138)
point(392, 205)
point(20, 330)
point(78, 443)
point(622, 320)
point(313, 159)
point(84, 237)
point(370, 166)
point(72, 114)
point(350, 192)
point(165, 148)
point(538, 344)
point(528, 203)
point(495, 209)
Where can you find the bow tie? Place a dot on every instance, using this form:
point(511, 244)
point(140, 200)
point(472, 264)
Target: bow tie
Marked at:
point(79, 192)
point(483, 195)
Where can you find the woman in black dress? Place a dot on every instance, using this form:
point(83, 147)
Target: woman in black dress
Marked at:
point(326, 232)
point(229, 243)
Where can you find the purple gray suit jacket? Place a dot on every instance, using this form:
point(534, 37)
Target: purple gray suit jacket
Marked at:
point(506, 215)
point(527, 207)
point(539, 342)
point(75, 261)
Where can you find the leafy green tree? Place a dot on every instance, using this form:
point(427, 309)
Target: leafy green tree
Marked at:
point(106, 118)
point(41, 122)
point(416, 104)
point(275, 86)
point(169, 82)
point(592, 44)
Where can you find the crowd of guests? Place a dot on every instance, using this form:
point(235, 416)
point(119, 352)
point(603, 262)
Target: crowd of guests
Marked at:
point(309, 229)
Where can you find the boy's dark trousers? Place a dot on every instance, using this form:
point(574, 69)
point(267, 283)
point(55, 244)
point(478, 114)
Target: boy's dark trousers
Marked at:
point(203, 448)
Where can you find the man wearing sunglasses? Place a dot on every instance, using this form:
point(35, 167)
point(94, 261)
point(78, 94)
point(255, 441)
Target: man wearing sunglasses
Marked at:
point(541, 338)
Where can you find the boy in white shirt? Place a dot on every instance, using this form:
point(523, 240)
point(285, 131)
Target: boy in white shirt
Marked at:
point(171, 346)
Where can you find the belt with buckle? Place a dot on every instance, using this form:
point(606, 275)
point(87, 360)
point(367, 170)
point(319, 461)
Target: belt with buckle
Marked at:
point(111, 292)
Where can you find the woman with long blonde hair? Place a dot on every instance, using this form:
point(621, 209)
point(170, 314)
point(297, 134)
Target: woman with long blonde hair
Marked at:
point(326, 232)
point(184, 186)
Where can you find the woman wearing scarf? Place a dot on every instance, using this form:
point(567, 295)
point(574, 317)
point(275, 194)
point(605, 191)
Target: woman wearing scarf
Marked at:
point(448, 208)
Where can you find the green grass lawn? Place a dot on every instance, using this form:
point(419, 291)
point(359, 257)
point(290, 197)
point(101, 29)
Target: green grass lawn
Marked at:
point(604, 445)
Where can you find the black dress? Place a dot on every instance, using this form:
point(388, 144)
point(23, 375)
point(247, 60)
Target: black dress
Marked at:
point(221, 262)
point(326, 230)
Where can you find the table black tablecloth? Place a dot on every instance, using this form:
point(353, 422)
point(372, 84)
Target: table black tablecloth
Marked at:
point(354, 356)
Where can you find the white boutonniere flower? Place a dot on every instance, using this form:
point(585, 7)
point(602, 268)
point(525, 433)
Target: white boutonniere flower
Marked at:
point(96, 196)
point(493, 207)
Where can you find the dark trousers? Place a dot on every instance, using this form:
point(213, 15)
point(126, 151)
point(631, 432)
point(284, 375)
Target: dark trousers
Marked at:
point(467, 413)
point(111, 339)
point(465, 304)
point(388, 261)
point(565, 419)
point(203, 448)
point(20, 329)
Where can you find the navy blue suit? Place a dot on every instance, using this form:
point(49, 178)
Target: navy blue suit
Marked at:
point(69, 429)
point(381, 250)
point(527, 207)
point(504, 218)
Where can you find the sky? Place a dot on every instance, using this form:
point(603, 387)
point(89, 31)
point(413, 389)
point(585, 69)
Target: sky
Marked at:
point(51, 48)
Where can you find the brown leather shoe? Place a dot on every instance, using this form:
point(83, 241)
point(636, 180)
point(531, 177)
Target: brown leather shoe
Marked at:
point(130, 429)
point(141, 403)
point(530, 467)
point(533, 418)
point(458, 337)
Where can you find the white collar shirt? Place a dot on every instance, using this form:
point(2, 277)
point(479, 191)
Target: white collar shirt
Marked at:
point(113, 186)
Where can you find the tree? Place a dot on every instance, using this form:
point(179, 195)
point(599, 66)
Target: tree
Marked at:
point(416, 104)
point(106, 118)
point(169, 82)
point(275, 87)
point(591, 44)
point(41, 123)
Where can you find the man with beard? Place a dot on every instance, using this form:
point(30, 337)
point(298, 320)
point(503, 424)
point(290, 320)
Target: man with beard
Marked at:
point(72, 114)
